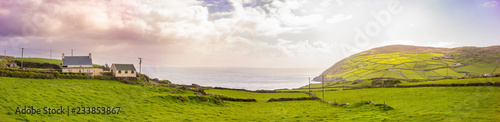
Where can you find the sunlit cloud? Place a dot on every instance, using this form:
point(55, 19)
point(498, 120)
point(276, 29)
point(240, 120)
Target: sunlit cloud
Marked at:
point(239, 33)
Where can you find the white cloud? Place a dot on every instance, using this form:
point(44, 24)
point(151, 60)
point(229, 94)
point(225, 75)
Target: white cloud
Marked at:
point(338, 18)
point(340, 2)
point(325, 3)
point(304, 48)
point(489, 4)
point(183, 31)
point(4, 12)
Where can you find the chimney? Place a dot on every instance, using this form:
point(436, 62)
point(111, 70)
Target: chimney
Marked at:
point(90, 55)
point(63, 56)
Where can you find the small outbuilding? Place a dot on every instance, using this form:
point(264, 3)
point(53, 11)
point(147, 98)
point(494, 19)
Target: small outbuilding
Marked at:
point(123, 70)
point(13, 65)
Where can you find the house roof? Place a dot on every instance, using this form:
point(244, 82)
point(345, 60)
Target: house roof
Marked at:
point(76, 60)
point(124, 66)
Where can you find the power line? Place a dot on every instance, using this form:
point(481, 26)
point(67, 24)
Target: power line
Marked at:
point(57, 51)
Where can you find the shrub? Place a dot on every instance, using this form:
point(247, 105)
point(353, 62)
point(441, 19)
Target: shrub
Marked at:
point(38, 65)
point(235, 99)
point(385, 83)
point(210, 99)
point(292, 99)
point(164, 82)
point(383, 107)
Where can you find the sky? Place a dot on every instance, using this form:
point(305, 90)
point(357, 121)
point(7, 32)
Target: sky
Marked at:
point(239, 33)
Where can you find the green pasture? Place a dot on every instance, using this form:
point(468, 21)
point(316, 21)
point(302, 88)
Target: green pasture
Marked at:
point(260, 97)
point(39, 60)
point(426, 103)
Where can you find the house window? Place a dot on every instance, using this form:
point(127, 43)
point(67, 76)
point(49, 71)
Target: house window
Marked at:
point(132, 71)
point(126, 71)
point(80, 70)
point(88, 70)
point(119, 71)
point(69, 70)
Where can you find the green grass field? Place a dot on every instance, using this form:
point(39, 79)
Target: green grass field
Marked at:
point(140, 103)
point(449, 72)
point(427, 103)
point(425, 66)
point(148, 103)
point(260, 97)
point(478, 69)
point(39, 60)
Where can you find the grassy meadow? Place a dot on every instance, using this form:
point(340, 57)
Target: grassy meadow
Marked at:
point(39, 60)
point(150, 103)
point(142, 103)
point(428, 103)
point(260, 97)
point(418, 66)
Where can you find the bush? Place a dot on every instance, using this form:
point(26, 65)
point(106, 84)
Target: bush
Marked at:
point(211, 99)
point(385, 83)
point(235, 99)
point(18, 74)
point(164, 82)
point(383, 107)
point(452, 84)
point(38, 65)
point(107, 73)
point(292, 99)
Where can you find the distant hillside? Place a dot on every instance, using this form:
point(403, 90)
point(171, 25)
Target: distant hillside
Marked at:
point(57, 62)
point(416, 63)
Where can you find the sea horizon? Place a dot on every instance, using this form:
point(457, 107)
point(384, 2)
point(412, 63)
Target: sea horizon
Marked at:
point(249, 78)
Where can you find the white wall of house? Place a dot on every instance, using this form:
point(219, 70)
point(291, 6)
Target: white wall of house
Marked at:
point(92, 71)
point(124, 73)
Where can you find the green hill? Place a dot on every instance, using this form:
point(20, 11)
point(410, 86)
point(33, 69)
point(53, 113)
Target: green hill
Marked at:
point(43, 60)
point(39, 60)
point(416, 63)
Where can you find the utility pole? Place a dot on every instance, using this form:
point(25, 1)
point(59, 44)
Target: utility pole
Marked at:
point(140, 67)
point(71, 52)
point(309, 86)
point(50, 53)
point(323, 84)
point(22, 57)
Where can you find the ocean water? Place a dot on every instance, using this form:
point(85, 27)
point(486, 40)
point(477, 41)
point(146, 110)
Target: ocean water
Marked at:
point(241, 78)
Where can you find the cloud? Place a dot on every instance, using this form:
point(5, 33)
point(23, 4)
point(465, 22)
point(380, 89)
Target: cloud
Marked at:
point(206, 33)
point(304, 48)
point(338, 18)
point(489, 4)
